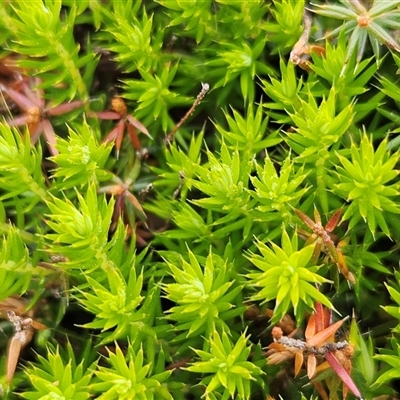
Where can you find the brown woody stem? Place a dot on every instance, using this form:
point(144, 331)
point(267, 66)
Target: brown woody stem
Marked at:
point(199, 98)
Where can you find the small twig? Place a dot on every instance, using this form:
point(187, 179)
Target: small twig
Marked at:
point(205, 88)
point(302, 47)
point(302, 345)
point(179, 188)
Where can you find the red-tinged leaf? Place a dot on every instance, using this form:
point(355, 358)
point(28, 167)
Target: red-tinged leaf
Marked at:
point(111, 136)
point(322, 337)
point(347, 367)
point(119, 135)
point(138, 125)
point(311, 365)
point(50, 136)
point(322, 317)
point(311, 328)
point(305, 218)
point(342, 374)
point(135, 202)
point(19, 121)
point(119, 205)
point(333, 221)
point(22, 101)
point(327, 316)
point(64, 108)
point(34, 94)
point(134, 137)
point(298, 362)
point(35, 131)
point(321, 390)
point(105, 115)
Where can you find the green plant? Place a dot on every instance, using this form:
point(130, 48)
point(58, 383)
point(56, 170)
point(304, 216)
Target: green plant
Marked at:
point(228, 367)
point(130, 378)
point(47, 37)
point(365, 182)
point(203, 296)
point(189, 246)
point(286, 277)
point(68, 379)
point(363, 23)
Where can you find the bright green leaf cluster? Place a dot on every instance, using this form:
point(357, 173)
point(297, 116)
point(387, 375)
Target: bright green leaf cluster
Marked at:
point(283, 92)
point(59, 377)
point(154, 97)
point(239, 60)
point(118, 305)
point(20, 169)
point(15, 265)
point(190, 222)
point(349, 82)
point(243, 19)
point(248, 135)
point(182, 164)
point(224, 180)
point(195, 14)
point(45, 35)
point(129, 377)
point(227, 366)
point(318, 126)
point(135, 43)
point(365, 182)
point(286, 277)
point(84, 230)
point(286, 29)
point(81, 160)
point(277, 194)
point(217, 253)
point(204, 296)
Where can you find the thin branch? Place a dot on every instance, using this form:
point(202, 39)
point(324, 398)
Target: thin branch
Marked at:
point(199, 98)
point(302, 47)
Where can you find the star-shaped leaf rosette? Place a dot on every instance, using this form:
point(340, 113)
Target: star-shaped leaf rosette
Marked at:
point(324, 358)
point(119, 112)
point(35, 113)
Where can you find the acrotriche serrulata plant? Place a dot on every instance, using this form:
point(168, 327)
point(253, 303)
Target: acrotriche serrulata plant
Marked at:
point(194, 197)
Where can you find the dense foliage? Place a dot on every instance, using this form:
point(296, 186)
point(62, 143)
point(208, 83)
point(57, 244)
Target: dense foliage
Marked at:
point(178, 179)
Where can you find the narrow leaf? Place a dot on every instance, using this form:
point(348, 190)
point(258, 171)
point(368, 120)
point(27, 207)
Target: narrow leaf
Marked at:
point(342, 374)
